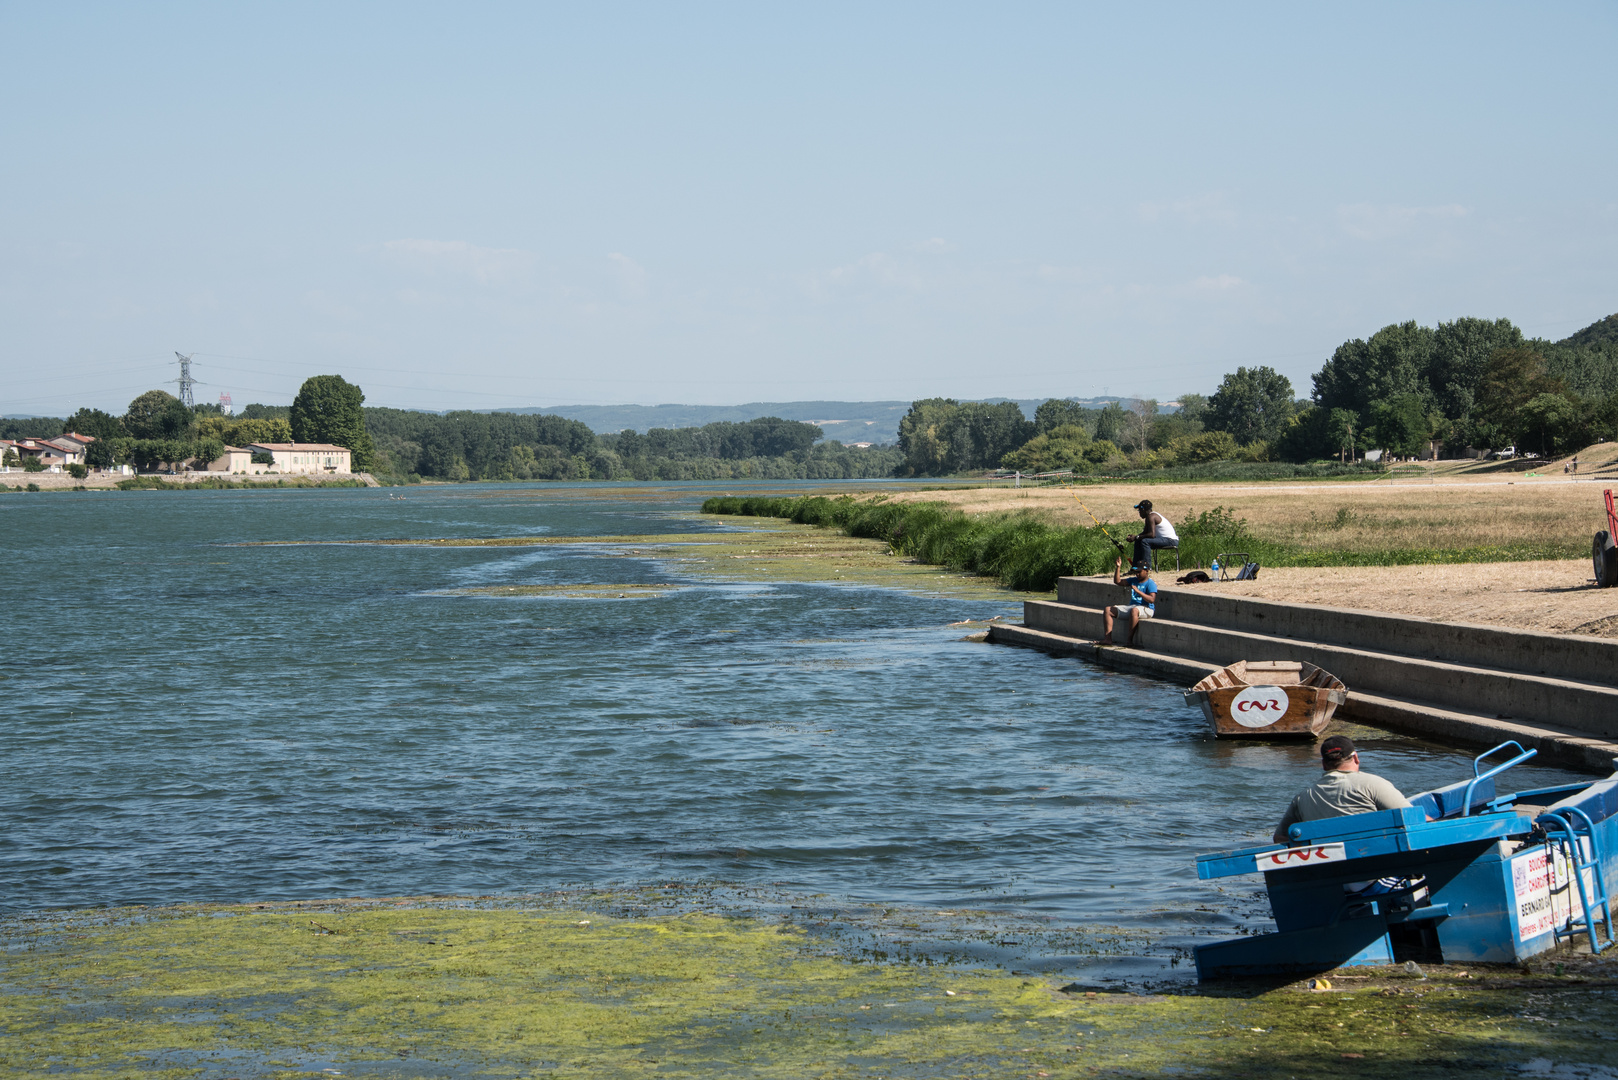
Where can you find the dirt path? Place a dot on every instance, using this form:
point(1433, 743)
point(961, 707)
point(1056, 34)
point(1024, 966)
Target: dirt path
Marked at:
point(1552, 596)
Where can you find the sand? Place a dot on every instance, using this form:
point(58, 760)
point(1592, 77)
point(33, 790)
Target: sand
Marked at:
point(1552, 596)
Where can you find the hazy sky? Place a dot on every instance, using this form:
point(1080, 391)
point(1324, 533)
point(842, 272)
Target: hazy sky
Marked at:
point(477, 205)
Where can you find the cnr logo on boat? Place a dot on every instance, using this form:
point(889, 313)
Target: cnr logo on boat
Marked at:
point(1259, 706)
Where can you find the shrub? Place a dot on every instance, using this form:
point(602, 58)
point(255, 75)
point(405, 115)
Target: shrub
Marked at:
point(77, 471)
point(1022, 550)
point(33, 487)
point(32, 464)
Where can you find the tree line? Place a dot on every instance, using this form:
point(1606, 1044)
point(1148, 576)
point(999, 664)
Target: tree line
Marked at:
point(1469, 383)
point(157, 430)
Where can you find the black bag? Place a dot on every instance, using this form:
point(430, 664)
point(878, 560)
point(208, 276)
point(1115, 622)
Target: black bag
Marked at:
point(1195, 577)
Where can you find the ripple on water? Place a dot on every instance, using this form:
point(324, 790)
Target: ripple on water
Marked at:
point(322, 720)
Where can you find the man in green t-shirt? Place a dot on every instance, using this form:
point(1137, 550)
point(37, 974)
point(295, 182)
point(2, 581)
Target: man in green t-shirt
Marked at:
point(1341, 790)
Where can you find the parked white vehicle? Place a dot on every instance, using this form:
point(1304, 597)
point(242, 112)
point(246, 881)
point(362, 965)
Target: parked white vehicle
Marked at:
point(1508, 452)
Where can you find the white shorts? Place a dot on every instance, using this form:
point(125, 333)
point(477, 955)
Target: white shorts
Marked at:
point(1125, 609)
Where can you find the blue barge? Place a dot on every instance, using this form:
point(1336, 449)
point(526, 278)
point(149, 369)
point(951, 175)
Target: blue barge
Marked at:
point(1463, 876)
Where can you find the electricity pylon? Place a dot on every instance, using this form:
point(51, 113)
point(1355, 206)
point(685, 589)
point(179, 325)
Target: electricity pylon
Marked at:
point(186, 381)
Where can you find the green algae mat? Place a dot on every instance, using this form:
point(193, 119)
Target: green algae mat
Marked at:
point(514, 988)
point(750, 549)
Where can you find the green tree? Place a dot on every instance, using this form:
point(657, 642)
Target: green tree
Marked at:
point(1511, 379)
point(1400, 426)
point(942, 435)
point(94, 423)
point(1550, 422)
point(103, 453)
point(1393, 361)
point(1253, 404)
point(1209, 446)
point(1342, 425)
point(1109, 423)
point(1193, 408)
point(328, 409)
point(923, 435)
point(207, 451)
point(1050, 451)
point(1062, 412)
point(157, 414)
point(1460, 355)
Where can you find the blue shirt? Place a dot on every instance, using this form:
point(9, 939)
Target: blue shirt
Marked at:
point(1143, 594)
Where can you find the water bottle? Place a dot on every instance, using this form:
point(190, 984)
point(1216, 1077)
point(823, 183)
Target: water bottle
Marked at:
point(1213, 571)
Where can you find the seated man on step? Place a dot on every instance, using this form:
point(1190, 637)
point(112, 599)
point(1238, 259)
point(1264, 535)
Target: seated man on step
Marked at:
point(1156, 533)
point(1341, 790)
point(1142, 599)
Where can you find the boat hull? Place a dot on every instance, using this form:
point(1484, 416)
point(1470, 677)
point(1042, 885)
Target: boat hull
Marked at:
point(1268, 700)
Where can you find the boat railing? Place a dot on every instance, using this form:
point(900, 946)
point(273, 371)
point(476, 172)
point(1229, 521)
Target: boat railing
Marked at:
point(1478, 777)
point(1561, 830)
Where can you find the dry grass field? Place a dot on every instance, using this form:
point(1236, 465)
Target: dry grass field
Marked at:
point(1449, 511)
point(1451, 508)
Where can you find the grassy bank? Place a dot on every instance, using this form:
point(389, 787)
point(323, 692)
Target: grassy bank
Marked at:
point(528, 987)
point(1027, 550)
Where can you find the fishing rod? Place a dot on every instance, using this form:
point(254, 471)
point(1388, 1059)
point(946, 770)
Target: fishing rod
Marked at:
point(1115, 543)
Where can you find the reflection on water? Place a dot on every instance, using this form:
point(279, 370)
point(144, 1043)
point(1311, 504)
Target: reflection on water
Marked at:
point(189, 719)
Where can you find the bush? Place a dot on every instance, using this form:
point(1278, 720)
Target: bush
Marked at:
point(32, 464)
point(1021, 550)
point(33, 487)
point(77, 471)
point(263, 457)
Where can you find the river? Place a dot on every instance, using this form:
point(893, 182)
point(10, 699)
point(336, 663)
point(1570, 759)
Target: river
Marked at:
point(207, 699)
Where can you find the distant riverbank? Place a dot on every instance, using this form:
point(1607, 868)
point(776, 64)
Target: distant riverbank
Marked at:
point(48, 481)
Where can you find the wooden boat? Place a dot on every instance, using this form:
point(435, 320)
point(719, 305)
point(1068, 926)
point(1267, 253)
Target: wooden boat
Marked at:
point(1268, 699)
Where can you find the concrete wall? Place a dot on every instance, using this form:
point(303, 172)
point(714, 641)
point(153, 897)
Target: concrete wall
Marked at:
point(1591, 708)
point(1560, 656)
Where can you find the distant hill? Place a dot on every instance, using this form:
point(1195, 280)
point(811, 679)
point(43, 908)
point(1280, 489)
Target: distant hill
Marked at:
point(845, 421)
point(1600, 332)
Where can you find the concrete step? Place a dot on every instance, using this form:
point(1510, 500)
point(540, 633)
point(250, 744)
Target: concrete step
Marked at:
point(1555, 743)
point(1575, 657)
point(1586, 707)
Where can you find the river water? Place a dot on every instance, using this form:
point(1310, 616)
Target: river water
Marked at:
point(190, 715)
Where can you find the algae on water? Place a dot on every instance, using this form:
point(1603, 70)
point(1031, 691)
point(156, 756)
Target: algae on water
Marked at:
point(411, 988)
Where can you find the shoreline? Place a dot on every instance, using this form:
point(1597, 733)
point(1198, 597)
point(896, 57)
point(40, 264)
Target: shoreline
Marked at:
point(18, 481)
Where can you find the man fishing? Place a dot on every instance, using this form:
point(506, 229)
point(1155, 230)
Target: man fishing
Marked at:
point(1142, 599)
point(1157, 533)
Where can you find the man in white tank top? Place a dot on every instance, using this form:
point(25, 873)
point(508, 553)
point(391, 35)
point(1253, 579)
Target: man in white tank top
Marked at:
point(1158, 533)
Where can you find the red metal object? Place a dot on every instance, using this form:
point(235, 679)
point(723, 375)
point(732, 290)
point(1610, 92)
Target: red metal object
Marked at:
point(1612, 516)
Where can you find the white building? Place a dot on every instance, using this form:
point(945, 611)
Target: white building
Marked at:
point(235, 459)
point(302, 457)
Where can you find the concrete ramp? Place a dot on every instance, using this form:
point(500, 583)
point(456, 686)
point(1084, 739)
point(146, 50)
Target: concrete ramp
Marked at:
point(1458, 682)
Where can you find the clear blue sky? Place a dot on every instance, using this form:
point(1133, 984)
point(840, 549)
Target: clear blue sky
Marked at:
point(477, 205)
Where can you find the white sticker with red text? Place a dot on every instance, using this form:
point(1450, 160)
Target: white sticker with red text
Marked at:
point(1542, 885)
point(1293, 857)
point(1259, 706)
